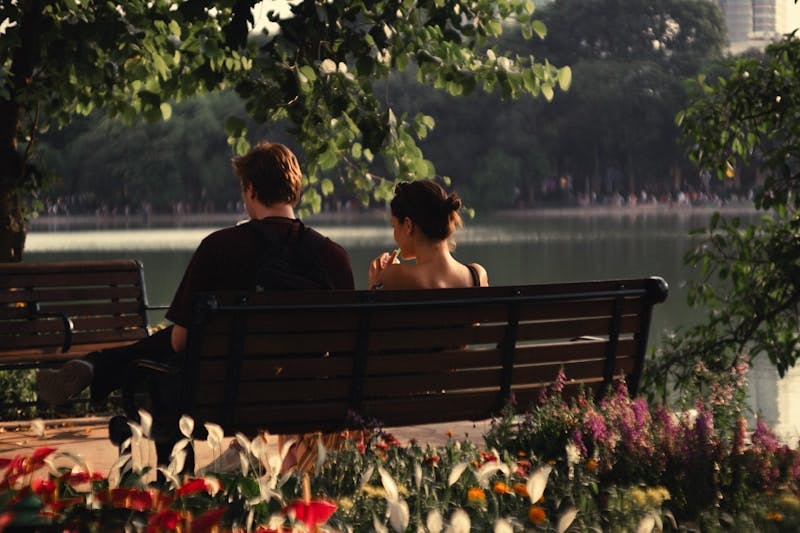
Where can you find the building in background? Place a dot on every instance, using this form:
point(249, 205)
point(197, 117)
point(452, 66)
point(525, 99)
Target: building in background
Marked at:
point(756, 23)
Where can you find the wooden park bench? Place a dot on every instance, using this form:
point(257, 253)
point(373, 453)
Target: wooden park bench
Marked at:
point(298, 362)
point(51, 312)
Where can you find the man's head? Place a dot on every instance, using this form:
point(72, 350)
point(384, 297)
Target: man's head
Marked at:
point(273, 172)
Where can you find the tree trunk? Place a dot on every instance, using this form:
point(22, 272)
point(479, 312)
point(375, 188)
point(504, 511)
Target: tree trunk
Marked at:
point(12, 218)
point(13, 173)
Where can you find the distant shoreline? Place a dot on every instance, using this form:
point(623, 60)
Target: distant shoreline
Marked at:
point(49, 222)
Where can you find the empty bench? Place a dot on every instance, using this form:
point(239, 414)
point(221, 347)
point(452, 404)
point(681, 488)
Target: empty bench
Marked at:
point(304, 361)
point(51, 312)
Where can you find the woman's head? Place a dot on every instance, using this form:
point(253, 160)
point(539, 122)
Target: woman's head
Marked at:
point(428, 206)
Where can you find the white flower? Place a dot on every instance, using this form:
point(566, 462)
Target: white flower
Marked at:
point(328, 66)
point(566, 519)
point(490, 55)
point(186, 425)
point(503, 526)
point(537, 482)
point(573, 454)
point(389, 486)
point(136, 432)
point(646, 524)
point(488, 470)
point(342, 68)
point(146, 420)
point(459, 522)
point(504, 63)
point(215, 435)
point(398, 515)
point(456, 473)
point(179, 447)
point(378, 526)
point(434, 521)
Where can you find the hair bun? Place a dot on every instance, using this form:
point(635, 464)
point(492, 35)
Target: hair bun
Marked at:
point(453, 202)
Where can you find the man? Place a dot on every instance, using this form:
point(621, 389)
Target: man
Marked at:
point(272, 250)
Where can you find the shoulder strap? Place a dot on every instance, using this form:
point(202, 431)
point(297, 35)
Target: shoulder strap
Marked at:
point(476, 278)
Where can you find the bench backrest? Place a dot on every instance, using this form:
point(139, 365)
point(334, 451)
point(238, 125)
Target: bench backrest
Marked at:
point(304, 361)
point(50, 312)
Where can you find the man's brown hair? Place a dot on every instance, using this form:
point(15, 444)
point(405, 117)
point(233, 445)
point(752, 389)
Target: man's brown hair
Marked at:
point(273, 171)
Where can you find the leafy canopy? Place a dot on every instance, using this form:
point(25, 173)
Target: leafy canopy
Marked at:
point(132, 59)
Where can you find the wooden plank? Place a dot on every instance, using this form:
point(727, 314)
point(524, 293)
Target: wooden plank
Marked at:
point(71, 279)
point(287, 367)
point(73, 294)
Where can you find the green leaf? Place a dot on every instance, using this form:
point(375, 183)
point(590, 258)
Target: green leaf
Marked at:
point(235, 127)
point(166, 111)
point(547, 91)
point(540, 28)
point(309, 73)
point(326, 187)
point(564, 78)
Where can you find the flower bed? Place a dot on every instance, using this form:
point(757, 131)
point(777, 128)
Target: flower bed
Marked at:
point(564, 465)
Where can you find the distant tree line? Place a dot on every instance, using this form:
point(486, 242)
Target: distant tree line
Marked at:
point(612, 135)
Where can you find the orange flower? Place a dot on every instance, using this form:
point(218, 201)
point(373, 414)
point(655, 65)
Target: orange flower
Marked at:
point(501, 488)
point(520, 490)
point(774, 516)
point(536, 514)
point(476, 495)
point(591, 465)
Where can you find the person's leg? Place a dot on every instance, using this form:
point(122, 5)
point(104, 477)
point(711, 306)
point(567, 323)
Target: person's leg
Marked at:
point(104, 371)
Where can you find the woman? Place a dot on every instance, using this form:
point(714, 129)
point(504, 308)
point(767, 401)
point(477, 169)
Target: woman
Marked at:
point(424, 217)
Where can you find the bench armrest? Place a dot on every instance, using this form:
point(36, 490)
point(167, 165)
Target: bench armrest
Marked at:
point(69, 327)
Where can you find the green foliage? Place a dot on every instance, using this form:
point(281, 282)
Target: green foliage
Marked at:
point(749, 276)
point(16, 386)
point(317, 68)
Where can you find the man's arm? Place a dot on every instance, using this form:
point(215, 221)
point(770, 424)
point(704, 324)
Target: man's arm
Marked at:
point(178, 338)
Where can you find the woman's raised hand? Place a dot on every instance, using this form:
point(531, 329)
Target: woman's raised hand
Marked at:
point(379, 264)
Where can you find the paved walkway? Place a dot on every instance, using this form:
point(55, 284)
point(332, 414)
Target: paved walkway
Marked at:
point(87, 438)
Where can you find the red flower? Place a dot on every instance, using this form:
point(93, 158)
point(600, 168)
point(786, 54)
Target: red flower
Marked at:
point(165, 520)
point(77, 478)
point(39, 455)
point(4, 462)
point(44, 488)
point(191, 487)
point(135, 499)
point(208, 521)
point(431, 460)
point(313, 512)
point(5, 519)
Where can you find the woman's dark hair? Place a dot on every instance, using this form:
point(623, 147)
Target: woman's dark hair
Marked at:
point(428, 206)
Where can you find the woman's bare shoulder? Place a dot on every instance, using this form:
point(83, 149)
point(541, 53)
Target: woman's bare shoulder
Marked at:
point(482, 274)
point(399, 276)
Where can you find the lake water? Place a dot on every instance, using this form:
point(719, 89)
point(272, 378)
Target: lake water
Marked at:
point(550, 246)
point(557, 246)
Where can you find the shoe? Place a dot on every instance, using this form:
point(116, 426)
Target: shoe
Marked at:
point(56, 386)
